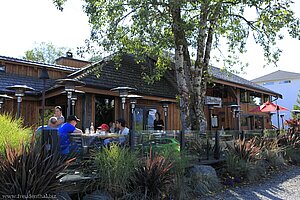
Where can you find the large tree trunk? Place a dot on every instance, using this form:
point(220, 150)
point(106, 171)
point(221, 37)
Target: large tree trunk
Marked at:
point(192, 80)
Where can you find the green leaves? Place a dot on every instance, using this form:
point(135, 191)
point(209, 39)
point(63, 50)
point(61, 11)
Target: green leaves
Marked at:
point(45, 52)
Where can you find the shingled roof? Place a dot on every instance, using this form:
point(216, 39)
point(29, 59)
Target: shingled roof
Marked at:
point(13, 79)
point(220, 74)
point(130, 74)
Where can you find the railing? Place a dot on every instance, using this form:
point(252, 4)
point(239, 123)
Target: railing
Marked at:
point(206, 145)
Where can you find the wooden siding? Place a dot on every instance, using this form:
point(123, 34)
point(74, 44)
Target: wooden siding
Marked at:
point(32, 71)
point(71, 62)
point(29, 111)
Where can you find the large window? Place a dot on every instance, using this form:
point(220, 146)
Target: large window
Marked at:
point(245, 97)
point(105, 109)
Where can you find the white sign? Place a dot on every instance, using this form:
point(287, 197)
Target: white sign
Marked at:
point(216, 101)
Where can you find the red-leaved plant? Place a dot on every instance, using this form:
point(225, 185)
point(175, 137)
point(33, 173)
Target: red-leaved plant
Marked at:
point(27, 170)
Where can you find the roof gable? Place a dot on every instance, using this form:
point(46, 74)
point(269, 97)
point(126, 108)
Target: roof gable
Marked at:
point(129, 74)
point(278, 75)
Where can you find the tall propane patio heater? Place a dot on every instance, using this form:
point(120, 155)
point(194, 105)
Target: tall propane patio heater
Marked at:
point(70, 85)
point(19, 93)
point(3, 97)
point(123, 93)
point(44, 76)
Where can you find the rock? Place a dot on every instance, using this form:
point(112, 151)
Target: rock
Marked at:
point(204, 179)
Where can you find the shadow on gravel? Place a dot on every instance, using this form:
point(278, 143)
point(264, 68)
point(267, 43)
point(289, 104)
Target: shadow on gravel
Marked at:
point(268, 189)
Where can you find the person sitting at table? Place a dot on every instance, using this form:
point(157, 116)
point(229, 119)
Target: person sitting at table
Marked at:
point(120, 124)
point(158, 122)
point(112, 127)
point(64, 133)
point(59, 116)
point(123, 130)
point(51, 125)
point(104, 129)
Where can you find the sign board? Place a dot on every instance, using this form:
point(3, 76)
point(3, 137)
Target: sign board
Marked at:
point(215, 101)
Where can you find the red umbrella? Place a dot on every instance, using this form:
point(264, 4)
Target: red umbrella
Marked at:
point(268, 107)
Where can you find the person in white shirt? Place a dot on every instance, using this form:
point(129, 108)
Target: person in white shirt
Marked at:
point(120, 124)
point(123, 130)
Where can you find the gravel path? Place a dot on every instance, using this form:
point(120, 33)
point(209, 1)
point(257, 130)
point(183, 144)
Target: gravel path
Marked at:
point(285, 185)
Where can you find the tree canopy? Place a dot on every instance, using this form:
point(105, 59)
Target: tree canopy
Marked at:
point(45, 52)
point(190, 29)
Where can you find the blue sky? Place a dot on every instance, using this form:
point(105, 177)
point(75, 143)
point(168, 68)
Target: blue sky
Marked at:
point(24, 22)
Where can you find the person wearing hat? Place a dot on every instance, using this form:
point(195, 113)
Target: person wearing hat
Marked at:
point(104, 129)
point(64, 133)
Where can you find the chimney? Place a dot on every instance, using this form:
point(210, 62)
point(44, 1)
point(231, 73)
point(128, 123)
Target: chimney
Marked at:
point(69, 61)
point(69, 54)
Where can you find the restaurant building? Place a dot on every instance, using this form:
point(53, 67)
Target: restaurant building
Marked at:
point(97, 103)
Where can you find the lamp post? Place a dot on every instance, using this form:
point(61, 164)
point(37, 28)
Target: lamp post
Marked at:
point(123, 93)
point(74, 98)
point(44, 76)
point(235, 109)
point(165, 104)
point(2, 99)
point(70, 85)
point(282, 121)
point(133, 101)
point(19, 93)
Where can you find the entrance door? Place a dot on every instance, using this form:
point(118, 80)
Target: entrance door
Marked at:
point(145, 117)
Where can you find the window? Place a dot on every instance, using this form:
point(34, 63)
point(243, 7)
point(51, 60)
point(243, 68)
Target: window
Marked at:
point(2, 68)
point(285, 82)
point(245, 97)
point(214, 121)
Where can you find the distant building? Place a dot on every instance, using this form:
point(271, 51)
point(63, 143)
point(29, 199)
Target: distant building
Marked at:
point(285, 83)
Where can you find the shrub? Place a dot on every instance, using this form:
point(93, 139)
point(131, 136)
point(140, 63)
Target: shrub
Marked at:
point(272, 154)
point(243, 161)
point(181, 188)
point(290, 144)
point(27, 171)
point(115, 166)
point(12, 132)
point(152, 178)
point(246, 150)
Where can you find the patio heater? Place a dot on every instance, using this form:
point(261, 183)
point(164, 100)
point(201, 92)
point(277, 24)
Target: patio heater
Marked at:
point(123, 93)
point(133, 101)
point(3, 97)
point(19, 93)
point(44, 76)
point(70, 85)
point(74, 98)
point(282, 120)
point(165, 104)
point(235, 109)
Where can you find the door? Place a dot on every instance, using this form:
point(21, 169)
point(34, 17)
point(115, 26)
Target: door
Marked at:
point(145, 117)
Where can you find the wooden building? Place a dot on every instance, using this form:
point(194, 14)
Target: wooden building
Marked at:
point(100, 105)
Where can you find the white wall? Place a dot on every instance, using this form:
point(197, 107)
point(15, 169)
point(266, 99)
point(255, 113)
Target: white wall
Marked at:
point(289, 93)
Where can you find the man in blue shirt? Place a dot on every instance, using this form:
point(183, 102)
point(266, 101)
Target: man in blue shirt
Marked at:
point(64, 133)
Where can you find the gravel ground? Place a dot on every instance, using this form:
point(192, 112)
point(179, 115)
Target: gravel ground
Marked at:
point(283, 185)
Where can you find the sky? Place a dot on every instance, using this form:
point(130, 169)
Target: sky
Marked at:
point(24, 23)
